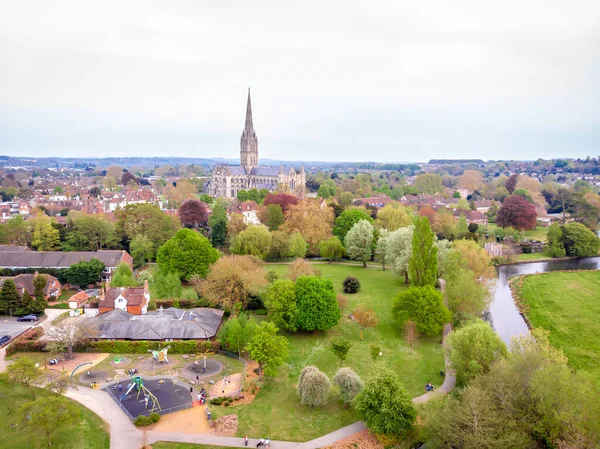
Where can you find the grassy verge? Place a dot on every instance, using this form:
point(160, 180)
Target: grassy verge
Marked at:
point(539, 233)
point(276, 412)
point(566, 304)
point(88, 432)
point(533, 256)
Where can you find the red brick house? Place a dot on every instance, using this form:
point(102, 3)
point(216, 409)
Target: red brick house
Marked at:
point(133, 300)
point(24, 282)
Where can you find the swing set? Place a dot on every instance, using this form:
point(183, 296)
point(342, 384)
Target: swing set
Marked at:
point(138, 383)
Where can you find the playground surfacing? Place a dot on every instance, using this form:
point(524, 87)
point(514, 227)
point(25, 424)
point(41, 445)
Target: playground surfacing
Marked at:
point(169, 395)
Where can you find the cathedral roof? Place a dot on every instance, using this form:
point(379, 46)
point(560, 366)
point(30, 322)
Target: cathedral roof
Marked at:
point(265, 171)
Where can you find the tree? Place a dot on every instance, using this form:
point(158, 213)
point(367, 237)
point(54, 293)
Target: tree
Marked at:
point(274, 217)
point(351, 285)
point(86, 232)
point(141, 249)
point(511, 183)
point(39, 286)
point(280, 301)
point(284, 200)
point(193, 214)
point(384, 405)
point(218, 226)
point(24, 372)
point(316, 304)
point(340, 348)
point(66, 335)
point(555, 242)
point(84, 273)
point(10, 300)
point(237, 333)
point(332, 249)
point(313, 387)
point(346, 199)
point(48, 414)
point(365, 317)
point(349, 384)
point(411, 334)
point(472, 349)
point(323, 192)
point(429, 183)
point(26, 303)
point(255, 241)
point(268, 349)
point(187, 253)
point(123, 276)
point(348, 219)
point(232, 280)
point(579, 240)
point(180, 192)
point(425, 306)
point(399, 250)
point(44, 237)
point(280, 245)
point(423, 260)
point(311, 221)
point(474, 258)
point(374, 350)
point(382, 249)
point(393, 216)
point(465, 294)
point(166, 286)
point(16, 231)
point(518, 213)
point(243, 195)
point(471, 180)
point(359, 242)
point(300, 267)
point(236, 225)
point(127, 178)
point(298, 246)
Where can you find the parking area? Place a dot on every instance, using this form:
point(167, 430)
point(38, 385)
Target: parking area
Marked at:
point(10, 326)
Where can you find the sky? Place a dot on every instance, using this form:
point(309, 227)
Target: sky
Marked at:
point(390, 81)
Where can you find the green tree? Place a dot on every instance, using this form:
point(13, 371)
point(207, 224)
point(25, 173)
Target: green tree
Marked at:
point(141, 249)
point(359, 242)
point(313, 387)
point(84, 273)
point(218, 226)
point(399, 250)
point(48, 414)
point(349, 384)
point(89, 233)
point(332, 249)
point(425, 306)
point(237, 333)
point(393, 216)
point(323, 191)
point(254, 240)
point(429, 183)
point(187, 253)
point(268, 349)
point(472, 349)
point(24, 372)
point(10, 300)
point(123, 277)
point(298, 246)
point(554, 242)
point(466, 295)
point(39, 304)
point(43, 236)
point(274, 217)
point(243, 195)
point(422, 266)
point(346, 199)
point(16, 231)
point(280, 245)
point(166, 286)
point(382, 248)
point(280, 301)
point(26, 302)
point(347, 219)
point(340, 348)
point(384, 405)
point(580, 241)
point(316, 303)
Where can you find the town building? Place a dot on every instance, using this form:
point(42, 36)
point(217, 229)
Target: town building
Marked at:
point(24, 283)
point(133, 300)
point(228, 180)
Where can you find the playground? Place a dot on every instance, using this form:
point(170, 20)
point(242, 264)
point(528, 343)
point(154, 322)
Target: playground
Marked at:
point(141, 396)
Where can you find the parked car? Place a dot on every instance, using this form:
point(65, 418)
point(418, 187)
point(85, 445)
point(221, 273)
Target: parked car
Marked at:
point(31, 317)
point(5, 339)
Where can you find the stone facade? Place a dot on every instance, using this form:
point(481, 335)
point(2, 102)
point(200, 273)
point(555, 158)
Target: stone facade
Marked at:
point(228, 180)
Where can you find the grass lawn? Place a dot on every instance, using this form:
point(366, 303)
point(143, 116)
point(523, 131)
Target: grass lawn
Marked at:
point(567, 304)
point(539, 233)
point(88, 432)
point(276, 412)
point(66, 294)
point(532, 256)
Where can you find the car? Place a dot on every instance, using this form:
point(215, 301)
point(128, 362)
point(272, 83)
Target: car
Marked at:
point(5, 339)
point(28, 318)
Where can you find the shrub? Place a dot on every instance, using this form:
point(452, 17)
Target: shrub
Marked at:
point(142, 421)
point(349, 383)
point(154, 417)
point(313, 387)
point(216, 401)
point(152, 305)
point(351, 285)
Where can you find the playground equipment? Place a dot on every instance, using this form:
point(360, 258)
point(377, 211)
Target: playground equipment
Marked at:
point(160, 356)
point(203, 355)
point(138, 383)
point(79, 366)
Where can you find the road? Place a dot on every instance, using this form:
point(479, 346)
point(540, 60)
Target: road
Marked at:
point(10, 326)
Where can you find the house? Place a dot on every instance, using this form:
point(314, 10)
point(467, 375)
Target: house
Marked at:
point(374, 201)
point(24, 283)
point(133, 300)
point(164, 325)
point(62, 260)
point(78, 299)
point(483, 205)
point(249, 209)
point(472, 216)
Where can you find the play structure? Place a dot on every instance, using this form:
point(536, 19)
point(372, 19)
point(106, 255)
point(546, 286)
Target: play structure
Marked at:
point(137, 383)
point(79, 366)
point(160, 356)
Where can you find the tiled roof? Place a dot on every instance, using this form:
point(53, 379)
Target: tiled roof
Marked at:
point(56, 259)
point(133, 295)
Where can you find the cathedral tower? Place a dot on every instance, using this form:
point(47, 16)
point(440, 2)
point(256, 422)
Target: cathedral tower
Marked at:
point(249, 142)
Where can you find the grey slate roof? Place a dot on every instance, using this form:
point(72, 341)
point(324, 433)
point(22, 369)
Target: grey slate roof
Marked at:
point(171, 323)
point(56, 259)
point(265, 171)
point(236, 169)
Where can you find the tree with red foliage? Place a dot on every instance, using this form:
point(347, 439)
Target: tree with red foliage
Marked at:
point(128, 177)
point(518, 213)
point(511, 183)
point(193, 214)
point(283, 199)
point(427, 211)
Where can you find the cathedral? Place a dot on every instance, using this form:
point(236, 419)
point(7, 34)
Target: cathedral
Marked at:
point(227, 180)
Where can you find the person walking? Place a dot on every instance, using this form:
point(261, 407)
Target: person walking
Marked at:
point(246, 440)
point(191, 390)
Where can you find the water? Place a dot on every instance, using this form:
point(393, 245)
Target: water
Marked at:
point(503, 315)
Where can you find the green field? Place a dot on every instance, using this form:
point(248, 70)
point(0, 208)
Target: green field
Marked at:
point(533, 256)
point(89, 432)
point(539, 233)
point(276, 412)
point(568, 305)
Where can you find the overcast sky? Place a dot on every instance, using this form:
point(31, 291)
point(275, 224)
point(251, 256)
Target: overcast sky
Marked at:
point(331, 80)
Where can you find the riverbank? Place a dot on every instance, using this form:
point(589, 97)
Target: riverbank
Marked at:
point(544, 259)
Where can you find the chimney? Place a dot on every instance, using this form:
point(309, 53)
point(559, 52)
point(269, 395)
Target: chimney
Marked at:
point(36, 274)
point(146, 290)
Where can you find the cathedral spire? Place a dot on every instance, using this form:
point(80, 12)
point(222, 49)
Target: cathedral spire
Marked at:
point(248, 141)
point(249, 127)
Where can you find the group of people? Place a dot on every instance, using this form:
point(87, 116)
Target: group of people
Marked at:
point(201, 396)
point(429, 386)
point(262, 442)
point(54, 361)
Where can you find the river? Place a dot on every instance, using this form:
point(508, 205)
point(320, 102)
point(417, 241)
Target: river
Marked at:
point(504, 316)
